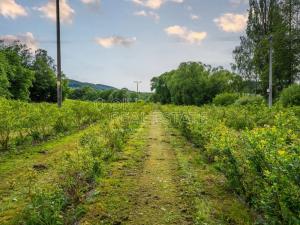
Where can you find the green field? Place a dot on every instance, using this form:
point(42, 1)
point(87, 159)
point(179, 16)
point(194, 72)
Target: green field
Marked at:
point(136, 163)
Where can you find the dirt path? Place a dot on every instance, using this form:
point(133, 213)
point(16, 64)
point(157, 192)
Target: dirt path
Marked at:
point(158, 197)
point(162, 180)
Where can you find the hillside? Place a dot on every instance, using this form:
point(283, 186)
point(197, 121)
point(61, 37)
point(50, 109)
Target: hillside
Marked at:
point(78, 84)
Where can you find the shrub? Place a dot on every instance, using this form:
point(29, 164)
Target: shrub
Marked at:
point(225, 99)
point(45, 208)
point(250, 100)
point(259, 157)
point(290, 96)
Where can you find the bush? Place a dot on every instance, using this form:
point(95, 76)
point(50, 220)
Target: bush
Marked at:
point(45, 208)
point(250, 100)
point(258, 156)
point(290, 96)
point(225, 99)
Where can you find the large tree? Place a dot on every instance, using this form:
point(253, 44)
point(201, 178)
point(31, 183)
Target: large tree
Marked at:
point(4, 83)
point(20, 75)
point(194, 83)
point(276, 18)
point(44, 84)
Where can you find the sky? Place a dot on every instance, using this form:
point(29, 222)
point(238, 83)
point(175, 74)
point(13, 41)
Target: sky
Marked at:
point(117, 42)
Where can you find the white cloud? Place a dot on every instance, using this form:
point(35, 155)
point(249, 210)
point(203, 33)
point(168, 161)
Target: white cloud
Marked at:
point(194, 17)
point(236, 3)
point(189, 36)
point(154, 4)
point(150, 14)
point(91, 2)
point(232, 22)
point(28, 39)
point(49, 11)
point(9, 8)
point(109, 42)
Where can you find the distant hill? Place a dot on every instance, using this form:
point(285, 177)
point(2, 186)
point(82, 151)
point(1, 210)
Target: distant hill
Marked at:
point(78, 84)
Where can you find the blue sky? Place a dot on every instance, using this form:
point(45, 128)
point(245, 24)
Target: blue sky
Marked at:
point(116, 42)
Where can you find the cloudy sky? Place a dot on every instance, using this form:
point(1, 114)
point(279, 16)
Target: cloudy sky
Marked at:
point(116, 42)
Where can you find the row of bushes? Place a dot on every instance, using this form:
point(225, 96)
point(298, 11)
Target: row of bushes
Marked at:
point(261, 163)
point(63, 203)
point(289, 97)
point(22, 122)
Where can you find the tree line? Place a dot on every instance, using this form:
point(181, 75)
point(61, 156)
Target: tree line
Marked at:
point(279, 20)
point(110, 95)
point(27, 76)
point(196, 83)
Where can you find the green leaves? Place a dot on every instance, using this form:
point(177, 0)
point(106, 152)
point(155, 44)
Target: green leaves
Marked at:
point(256, 148)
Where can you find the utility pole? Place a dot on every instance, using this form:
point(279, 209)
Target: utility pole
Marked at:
point(137, 88)
point(270, 90)
point(59, 84)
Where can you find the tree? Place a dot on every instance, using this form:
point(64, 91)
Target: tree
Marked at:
point(279, 18)
point(44, 84)
point(19, 75)
point(25, 76)
point(194, 83)
point(4, 83)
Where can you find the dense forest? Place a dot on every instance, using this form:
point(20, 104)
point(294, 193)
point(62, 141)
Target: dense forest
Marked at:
point(275, 20)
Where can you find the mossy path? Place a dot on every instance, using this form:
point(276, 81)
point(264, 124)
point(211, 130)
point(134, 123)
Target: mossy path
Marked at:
point(158, 199)
point(162, 181)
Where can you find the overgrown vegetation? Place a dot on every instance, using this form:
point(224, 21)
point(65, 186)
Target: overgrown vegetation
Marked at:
point(256, 148)
point(22, 122)
point(60, 202)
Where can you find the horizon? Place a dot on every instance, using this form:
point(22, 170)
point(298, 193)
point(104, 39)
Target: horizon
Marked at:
point(115, 43)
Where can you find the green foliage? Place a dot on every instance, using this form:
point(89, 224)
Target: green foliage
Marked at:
point(80, 169)
point(87, 93)
point(279, 19)
point(194, 84)
point(20, 121)
point(250, 100)
point(290, 96)
point(4, 83)
point(45, 208)
point(26, 76)
point(259, 157)
point(225, 99)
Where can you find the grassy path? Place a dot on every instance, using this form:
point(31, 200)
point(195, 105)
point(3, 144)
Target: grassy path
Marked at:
point(34, 166)
point(158, 179)
point(158, 199)
point(162, 180)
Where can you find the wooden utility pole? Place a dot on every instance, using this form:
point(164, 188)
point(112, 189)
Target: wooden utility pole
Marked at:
point(59, 84)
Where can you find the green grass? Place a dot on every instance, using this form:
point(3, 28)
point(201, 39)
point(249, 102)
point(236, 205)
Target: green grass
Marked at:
point(110, 201)
point(204, 187)
point(19, 179)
